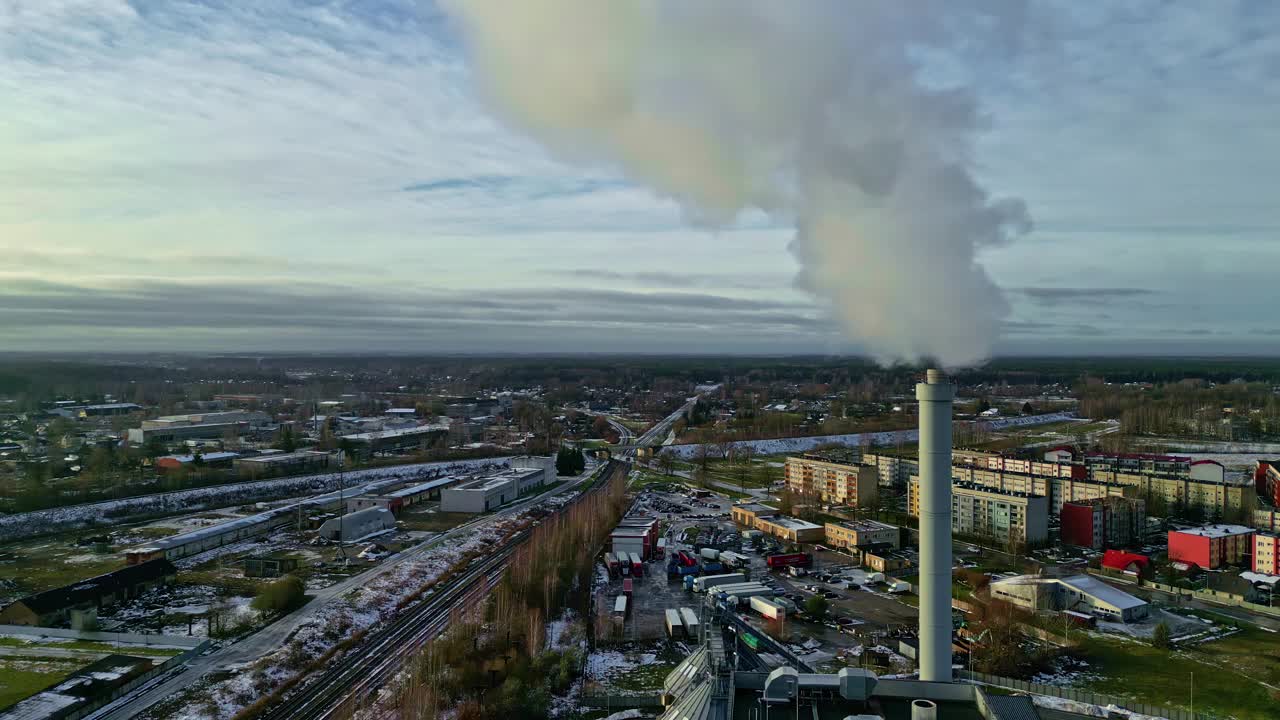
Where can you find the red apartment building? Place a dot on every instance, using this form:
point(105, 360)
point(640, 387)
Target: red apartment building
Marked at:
point(1211, 546)
point(1103, 522)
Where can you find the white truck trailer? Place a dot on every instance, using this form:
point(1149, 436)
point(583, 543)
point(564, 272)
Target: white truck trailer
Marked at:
point(675, 626)
point(690, 621)
point(768, 608)
point(707, 582)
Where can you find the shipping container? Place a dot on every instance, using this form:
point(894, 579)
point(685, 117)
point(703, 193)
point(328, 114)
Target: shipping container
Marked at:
point(781, 561)
point(712, 567)
point(675, 627)
point(709, 553)
point(620, 606)
point(706, 582)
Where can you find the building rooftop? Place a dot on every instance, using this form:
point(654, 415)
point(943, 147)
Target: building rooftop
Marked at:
point(1216, 531)
point(791, 523)
point(1097, 589)
point(387, 434)
point(756, 508)
point(864, 525)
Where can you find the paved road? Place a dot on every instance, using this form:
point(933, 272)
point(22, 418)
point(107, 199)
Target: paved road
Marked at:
point(272, 636)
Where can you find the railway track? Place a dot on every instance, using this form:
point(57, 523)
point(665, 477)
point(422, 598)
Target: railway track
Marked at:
point(362, 670)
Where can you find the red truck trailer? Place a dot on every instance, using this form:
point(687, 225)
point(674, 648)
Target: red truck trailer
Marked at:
point(626, 587)
point(789, 560)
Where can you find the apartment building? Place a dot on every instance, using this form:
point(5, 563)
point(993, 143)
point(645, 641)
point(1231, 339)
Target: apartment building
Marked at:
point(1100, 523)
point(1212, 546)
point(1266, 553)
point(893, 471)
point(1004, 515)
point(838, 483)
point(767, 520)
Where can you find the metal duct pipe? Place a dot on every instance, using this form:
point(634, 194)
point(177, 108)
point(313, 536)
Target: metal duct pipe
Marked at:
point(924, 710)
point(935, 396)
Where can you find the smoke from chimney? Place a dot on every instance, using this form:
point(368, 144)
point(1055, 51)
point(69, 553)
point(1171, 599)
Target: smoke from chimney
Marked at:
point(816, 112)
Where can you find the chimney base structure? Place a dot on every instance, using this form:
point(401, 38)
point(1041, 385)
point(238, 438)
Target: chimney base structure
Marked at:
point(935, 396)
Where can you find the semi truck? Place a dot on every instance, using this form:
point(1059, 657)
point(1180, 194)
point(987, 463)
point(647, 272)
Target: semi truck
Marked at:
point(789, 560)
point(627, 587)
point(707, 582)
point(637, 567)
point(611, 562)
point(709, 554)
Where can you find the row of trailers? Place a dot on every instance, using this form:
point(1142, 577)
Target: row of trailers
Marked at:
point(682, 623)
point(624, 565)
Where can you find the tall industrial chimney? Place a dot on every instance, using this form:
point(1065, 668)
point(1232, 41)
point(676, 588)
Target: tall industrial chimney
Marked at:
point(935, 395)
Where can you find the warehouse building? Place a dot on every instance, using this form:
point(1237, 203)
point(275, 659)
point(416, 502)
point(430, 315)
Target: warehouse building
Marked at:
point(55, 607)
point(176, 433)
point(637, 535)
point(1110, 522)
point(1004, 515)
point(837, 483)
point(1077, 593)
point(1212, 546)
point(747, 514)
point(402, 439)
point(862, 534)
point(284, 463)
point(358, 525)
point(213, 460)
point(790, 529)
point(493, 491)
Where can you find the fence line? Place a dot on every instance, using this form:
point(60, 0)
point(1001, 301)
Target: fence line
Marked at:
point(1084, 696)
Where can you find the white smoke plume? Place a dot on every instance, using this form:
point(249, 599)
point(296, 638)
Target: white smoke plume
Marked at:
point(814, 111)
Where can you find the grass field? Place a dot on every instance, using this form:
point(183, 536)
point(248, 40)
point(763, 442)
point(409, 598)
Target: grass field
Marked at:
point(44, 564)
point(26, 677)
point(1231, 675)
point(88, 646)
point(427, 518)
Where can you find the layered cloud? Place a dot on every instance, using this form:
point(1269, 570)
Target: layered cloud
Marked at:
point(332, 164)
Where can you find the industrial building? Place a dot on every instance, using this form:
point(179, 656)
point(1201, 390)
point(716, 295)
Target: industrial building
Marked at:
point(493, 491)
point(55, 607)
point(1266, 553)
point(1212, 546)
point(746, 514)
point(1077, 593)
point(357, 525)
point(637, 535)
point(401, 439)
point(81, 412)
point(283, 463)
point(862, 534)
point(1110, 522)
point(1003, 515)
point(213, 460)
point(175, 433)
point(270, 566)
point(837, 483)
point(767, 520)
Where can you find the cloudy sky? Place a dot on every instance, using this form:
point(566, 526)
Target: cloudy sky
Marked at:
point(327, 175)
